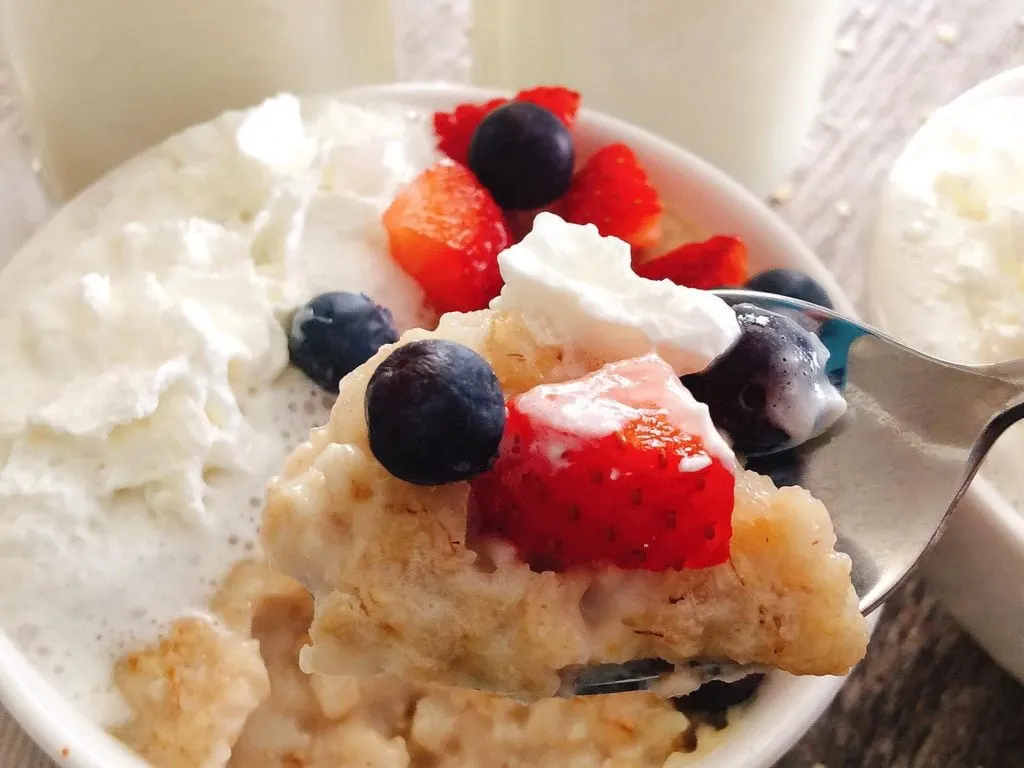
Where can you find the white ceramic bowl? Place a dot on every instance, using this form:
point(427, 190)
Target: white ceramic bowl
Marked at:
point(977, 567)
point(786, 706)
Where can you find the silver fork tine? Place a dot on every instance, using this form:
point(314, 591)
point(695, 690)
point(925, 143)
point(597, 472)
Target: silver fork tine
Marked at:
point(915, 433)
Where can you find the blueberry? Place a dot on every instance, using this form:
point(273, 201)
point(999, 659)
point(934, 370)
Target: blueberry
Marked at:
point(523, 155)
point(435, 412)
point(334, 333)
point(770, 391)
point(717, 696)
point(791, 283)
point(784, 468)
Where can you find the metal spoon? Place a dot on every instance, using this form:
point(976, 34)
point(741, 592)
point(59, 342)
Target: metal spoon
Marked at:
point(890, 471)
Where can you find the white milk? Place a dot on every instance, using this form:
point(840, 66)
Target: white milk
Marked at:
point(735, 81)
point(104, 79)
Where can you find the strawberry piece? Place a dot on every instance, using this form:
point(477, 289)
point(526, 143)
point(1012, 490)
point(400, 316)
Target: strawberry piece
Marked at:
point(612, 192)
point(618, 467)
point(446, 231)
point(454, 130)
point(563, 102)
point(719, 262)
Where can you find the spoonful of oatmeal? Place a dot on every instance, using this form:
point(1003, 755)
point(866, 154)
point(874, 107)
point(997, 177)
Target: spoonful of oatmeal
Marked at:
point(489, 511)
point(914, 435)
point(582, 475)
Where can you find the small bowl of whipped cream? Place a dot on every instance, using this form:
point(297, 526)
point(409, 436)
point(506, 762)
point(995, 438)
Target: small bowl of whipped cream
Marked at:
point(947, 276)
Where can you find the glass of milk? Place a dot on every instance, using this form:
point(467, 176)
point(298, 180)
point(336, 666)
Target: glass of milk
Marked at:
point(735, 81)
point(104, 79)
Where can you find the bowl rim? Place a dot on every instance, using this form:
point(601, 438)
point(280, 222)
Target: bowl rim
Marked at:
point(76, 742)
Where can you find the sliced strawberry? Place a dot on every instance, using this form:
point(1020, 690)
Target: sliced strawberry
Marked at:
point(620, 467)
point(446, 231)
point(454, 130)
point(719, 262)
point(563, 102)
point(612, 192)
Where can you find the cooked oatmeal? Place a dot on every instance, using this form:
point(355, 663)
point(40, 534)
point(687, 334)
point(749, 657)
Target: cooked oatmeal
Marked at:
point(337, 722)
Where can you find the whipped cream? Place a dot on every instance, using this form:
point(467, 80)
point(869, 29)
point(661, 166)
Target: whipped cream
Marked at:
point(605, 402)
point(948, 250)
point(576, 288)
point(143, 365)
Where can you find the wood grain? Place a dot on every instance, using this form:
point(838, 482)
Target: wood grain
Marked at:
point(926, 696)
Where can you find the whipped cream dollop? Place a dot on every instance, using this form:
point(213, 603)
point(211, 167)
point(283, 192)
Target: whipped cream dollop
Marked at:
point(576, 288)
point(143, 365)
point(949, 247)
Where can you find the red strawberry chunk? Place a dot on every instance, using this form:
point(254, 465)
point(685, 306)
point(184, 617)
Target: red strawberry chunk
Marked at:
point(563, 102)
point(446, 231)
point(716, 263)
point(621, 467)
point(454, 130)
point(612, 192)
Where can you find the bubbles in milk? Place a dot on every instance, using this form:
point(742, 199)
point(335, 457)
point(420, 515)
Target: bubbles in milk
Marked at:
point(293, 406)
point(150, 573)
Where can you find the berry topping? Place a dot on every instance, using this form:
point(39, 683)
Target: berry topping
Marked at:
point(523, 154)
point(789, 282)
point(435, 413)
point(715, 263)
point(454, 130)
point(334, 333)
point(446, 231)
point(620, 467)
point(770, 391)
point(612, 192)
point(560, 101)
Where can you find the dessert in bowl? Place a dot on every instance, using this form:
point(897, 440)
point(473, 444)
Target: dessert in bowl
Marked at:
point(151, 325)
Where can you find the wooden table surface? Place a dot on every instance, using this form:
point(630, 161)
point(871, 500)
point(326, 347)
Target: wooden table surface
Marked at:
point(926, 696)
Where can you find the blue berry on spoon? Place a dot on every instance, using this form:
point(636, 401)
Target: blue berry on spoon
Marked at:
point(523, 154)
point(771, 390)
point(435, 413)
point(791, 283)
point(334, 333)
